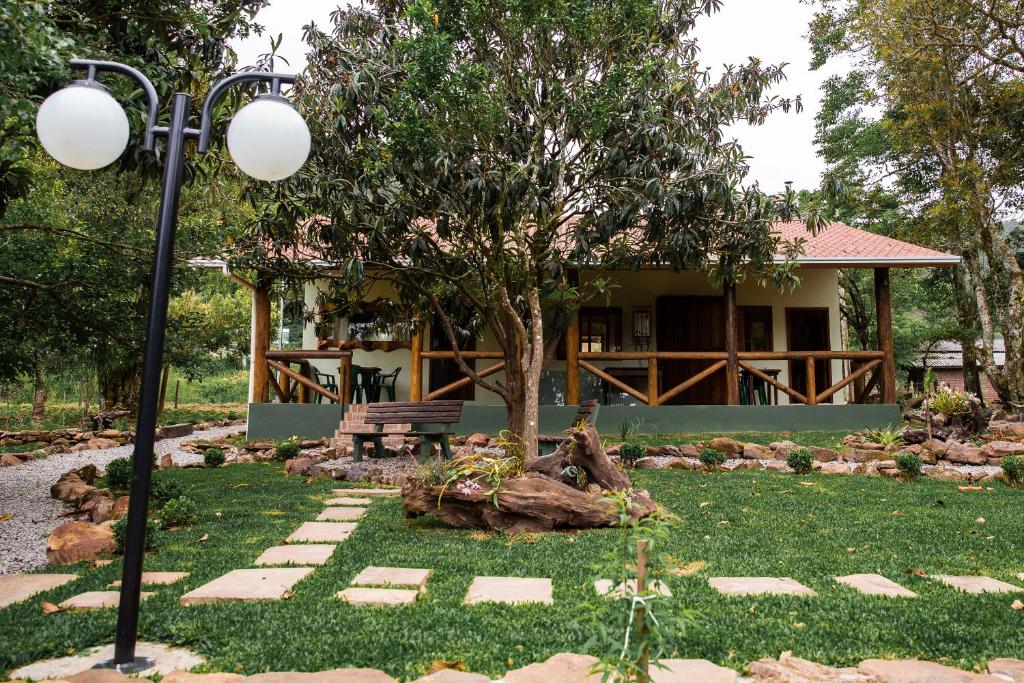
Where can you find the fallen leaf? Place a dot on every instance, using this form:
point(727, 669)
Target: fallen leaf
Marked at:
point(243, 485)
point(5, 517)
point(981, 520)
point(917, 572)
point(799, 624)
point(441, 665)
point(688, 569)
point(50, 608)
point(705, 503)
point(808, 483)
point(724, 522)
point(1017, 605)
point(851, 550)
point(897, 513)
point(203, 539)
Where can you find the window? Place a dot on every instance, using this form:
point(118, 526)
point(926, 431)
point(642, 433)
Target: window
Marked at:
point(600, 329)
point(755, 328)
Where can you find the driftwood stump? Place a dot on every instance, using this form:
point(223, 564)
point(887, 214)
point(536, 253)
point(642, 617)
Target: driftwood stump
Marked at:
point(551, 495)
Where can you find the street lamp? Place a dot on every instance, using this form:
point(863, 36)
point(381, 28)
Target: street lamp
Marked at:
point(83, 127)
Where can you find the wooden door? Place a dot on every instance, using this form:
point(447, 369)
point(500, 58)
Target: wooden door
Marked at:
point(444, 371)
point(807, 329)
point(691, 323)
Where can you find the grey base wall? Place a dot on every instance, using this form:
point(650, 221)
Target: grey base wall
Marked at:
point(284, 420)
point(280, 421)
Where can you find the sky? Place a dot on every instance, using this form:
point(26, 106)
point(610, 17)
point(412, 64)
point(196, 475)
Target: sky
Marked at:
point(781, 149)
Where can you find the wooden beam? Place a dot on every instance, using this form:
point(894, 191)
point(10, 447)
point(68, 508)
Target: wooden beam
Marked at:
point(259, 342)
point(572, 361)
point(883, 316)
point(305, 354)
point(852, 377)
point(801, 355)
point(468, 355)
point(459, 383)
point(812, 382)
point(621, 386)
point(416, 379)
point(303, 381)
point(756, 372)
point(281, 395)
point(870, 386)
point(345, 378)
point(652, 382)
point(732, 375)
point(700, 376)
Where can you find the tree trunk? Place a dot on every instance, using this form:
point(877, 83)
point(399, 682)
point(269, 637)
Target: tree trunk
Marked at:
point(163, 388)
point(119, 383)
point(39, 393)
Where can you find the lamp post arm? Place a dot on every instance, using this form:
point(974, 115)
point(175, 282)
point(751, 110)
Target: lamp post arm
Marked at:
point(94, 66)
point(221, 87)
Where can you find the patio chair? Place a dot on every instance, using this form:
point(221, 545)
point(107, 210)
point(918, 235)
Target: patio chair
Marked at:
point(355, 380)
point(327, 381)
point(388, 383)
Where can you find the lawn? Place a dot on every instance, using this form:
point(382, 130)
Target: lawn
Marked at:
point(17, 416)
point(739, 523)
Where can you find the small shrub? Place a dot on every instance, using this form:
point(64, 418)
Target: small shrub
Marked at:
point(711, 458)
point(952, 402)
point(179, 512)
point(631, 451)
point(213, 457)
point(801, 460)
point(909, 464)
point(286, 450)
point(889, 436)
point(163, 489)
point(119, 473)
point(1013, 470)
point(121, 528)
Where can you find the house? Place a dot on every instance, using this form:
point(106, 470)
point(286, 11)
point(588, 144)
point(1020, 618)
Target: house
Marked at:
point(668, 352)
point(946, 358)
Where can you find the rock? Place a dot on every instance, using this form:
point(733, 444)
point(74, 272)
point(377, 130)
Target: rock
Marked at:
point(886, 464)
point(186, 677)
point(120, 508)
point(1001, 449)
point(835, 468)
point(10, 459)
point(917, 671)
point(478, 440)
point(790, 669)
point(867, 469)
point(668, 450)
point(110, 434)
point(100, 444)
point(453, 676)
point(782, 448)
point(87, 473)
point(71, 490)
point(862, 455)
point(753, 451)
point(100, 509)
point(967, 455)
point(245, 458)
point(333, 676)
point(166, 461)
point(777, 466)
point(77, 541)
point(658, 462)
point(1013, 428)
point(935, 446)
point(731, 448)
point(871, 446)
point(943, 473)
point(742, 465)
point(176, 431)
point(298, 466)
point(563, 667)
point(688, 450)
point(1012, 669)
point(691, 671)
point(823, 454)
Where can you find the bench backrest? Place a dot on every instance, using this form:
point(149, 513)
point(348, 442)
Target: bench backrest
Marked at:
point(421, 412)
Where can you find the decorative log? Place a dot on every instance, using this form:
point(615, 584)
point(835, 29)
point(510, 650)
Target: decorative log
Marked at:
point(588, 453)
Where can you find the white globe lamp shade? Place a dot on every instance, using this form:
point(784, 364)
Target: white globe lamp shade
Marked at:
point(268, 139)
point(83, 127)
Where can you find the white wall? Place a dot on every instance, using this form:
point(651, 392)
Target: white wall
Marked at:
point(819, 288)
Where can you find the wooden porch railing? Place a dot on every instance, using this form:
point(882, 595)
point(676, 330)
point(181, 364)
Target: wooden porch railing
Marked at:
point(303, 378)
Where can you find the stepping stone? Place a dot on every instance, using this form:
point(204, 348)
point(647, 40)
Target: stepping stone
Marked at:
point(393, 576)
point(604, 587)
point(298, 554)
point(977, 584)
point(157, 578)
point(876, 584)
point(918, 671)
point(1010, 669)
point(340, 514)
point(453, 676)
point(165, 660)
point(17, 587)
point(564, 667)
point(690, 671)
point(758, 585)
point(248, 584)
point(348, 500)
point(366, 492)
point(96, 600)
point(381, 597)
point(511, 590)
point(321, 532)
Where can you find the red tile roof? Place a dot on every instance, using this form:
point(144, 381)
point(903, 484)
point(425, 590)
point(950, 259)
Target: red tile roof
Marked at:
point(843, 245)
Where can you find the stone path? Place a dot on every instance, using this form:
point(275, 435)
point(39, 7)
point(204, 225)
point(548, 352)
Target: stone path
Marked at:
point(759, 585)
point(977, 584)
point(17, 587)
point(248, 584)
point(296, 554)
point(97, 600)
point(510, 590)
point(25, 495)
point(876, 584)
point(157, 578)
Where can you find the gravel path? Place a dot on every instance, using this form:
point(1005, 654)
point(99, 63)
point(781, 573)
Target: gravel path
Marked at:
point(25, 495)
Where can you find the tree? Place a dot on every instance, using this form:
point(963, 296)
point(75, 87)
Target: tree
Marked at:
point(477, 156)
point(947, 141)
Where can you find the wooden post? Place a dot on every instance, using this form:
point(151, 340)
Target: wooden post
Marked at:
point(572, 361)
point(731, 368)
point(416, 379)
point(641, 588)
point(259, 373)
point(345, 379)
point(177, 390)
point(652, 381)
point(812, 382)
point(883, 315)
point(858, 384)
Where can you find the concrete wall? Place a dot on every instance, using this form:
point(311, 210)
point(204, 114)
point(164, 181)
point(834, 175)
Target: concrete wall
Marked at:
point(819, 288)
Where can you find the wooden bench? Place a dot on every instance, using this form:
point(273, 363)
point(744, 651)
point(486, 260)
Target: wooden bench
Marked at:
point(587, 413)
point(430, 421)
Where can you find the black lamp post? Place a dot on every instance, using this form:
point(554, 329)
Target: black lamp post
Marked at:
point(83, 127)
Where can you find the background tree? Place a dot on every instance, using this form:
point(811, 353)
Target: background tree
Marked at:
point(930, 118)
point(477, 156)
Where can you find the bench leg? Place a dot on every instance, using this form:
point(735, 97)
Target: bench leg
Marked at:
point(357, 449)
point(378, 448)
point(426, 449)
point(445, 448)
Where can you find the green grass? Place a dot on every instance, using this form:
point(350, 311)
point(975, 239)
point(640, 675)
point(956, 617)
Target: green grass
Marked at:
point(822, 439)
point(17, 416)
point(776, 527)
